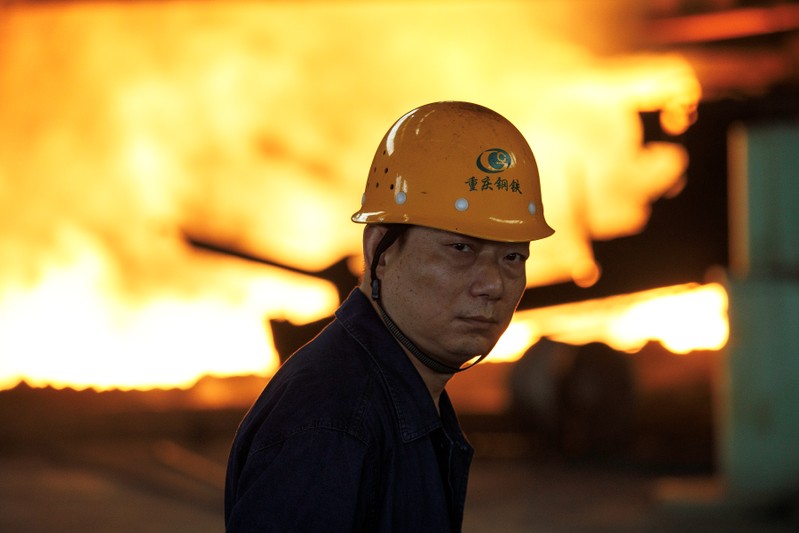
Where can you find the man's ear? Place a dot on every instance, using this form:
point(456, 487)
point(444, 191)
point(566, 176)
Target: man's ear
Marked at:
point(372, 235)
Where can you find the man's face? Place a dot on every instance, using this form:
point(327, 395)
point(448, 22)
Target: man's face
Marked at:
point(452, 295)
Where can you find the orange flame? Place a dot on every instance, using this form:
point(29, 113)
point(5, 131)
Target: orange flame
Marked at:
point(682, 318)
point(253, 125)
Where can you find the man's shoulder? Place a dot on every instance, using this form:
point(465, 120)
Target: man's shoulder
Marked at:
point(325, 370)
point(329, 384)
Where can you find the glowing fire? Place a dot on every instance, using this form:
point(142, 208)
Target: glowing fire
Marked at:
point(252, 125)
point(682, 318)
point(69, 330)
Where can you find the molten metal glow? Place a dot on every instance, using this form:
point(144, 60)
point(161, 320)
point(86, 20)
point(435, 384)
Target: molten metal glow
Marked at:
point(682, 318)
point(252, 125)
point(69, 330)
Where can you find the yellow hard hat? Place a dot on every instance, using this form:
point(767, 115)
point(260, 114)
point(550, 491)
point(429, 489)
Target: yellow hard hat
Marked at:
point(458, 167)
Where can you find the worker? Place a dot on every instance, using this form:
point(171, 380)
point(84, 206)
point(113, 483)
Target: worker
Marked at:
point(355, 431)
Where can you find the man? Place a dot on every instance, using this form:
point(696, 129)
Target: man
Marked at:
point(355, 432)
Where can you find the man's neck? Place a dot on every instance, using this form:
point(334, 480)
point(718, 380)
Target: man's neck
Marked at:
point(434, 381)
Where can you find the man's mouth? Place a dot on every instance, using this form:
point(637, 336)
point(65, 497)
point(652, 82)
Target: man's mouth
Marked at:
point(479, 320)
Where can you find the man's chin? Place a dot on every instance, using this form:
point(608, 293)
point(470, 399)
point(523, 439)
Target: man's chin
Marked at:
point(475, 350)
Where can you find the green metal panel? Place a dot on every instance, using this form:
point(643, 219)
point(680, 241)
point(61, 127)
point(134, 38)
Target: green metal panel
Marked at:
point(759, 444)
point(764, 193)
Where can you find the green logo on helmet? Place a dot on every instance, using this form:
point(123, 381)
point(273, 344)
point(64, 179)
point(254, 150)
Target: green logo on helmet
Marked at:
point(494, 160)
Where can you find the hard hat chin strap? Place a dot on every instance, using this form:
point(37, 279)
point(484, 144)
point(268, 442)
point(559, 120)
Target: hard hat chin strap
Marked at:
point(425, 359)
point(393, 233)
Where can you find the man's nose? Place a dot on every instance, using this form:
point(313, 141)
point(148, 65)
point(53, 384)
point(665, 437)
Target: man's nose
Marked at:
point(488, 280)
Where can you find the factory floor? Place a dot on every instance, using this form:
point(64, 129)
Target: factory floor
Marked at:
point(155, 485)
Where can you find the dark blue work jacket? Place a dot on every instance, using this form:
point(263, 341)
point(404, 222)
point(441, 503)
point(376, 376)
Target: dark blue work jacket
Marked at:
point(346, 437)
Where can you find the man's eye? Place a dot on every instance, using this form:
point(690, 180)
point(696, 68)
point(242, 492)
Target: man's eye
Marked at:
point(517, 258)
point(461, 247)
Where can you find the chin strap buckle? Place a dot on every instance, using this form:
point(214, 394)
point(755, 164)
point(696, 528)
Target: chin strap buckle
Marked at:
point(375, 289)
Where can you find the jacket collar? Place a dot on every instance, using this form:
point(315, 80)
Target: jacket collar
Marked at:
point(415, 411)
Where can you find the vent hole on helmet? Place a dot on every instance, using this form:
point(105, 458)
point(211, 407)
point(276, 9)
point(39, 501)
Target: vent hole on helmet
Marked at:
point(385, 170)
point(391, 186)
